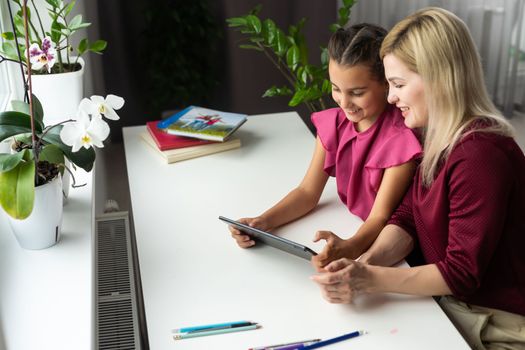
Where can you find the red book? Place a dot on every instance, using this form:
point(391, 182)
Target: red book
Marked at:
point(167, 141)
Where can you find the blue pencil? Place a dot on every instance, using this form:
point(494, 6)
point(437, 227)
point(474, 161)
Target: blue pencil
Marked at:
point(210, 326)
point(332, 341)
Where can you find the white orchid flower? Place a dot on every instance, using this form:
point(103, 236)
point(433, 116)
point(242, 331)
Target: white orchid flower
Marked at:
point(98, 106)
point(44, 57)
point(85, 132)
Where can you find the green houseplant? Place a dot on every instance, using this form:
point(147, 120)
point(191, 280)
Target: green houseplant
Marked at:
point(39, 155)
point(51, 49)
point(288, 52)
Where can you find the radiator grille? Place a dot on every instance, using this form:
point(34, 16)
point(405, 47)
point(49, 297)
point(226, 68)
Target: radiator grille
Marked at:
point(116, 306)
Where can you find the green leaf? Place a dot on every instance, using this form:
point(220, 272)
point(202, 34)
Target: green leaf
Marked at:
point(250, 47)
point(254, 23)
point(38, 110)
point(82, 46)
point(69, 7)
point(14, 123)
point(292, 57)
point(75, 21)
point(53, 3)
point(297, 98)
point(10, 50)
point(56, 32)
point(327, 87)
point(19, 25)
point(236, 21)
point(280, 44)
point(52, 153)
point(17, 190)
point(20, 106)
point(98, 46)
point(8, 35)
point(275, 91)
point(84, 158)
point(269, 31)
point(10, 161)
point(348, 3)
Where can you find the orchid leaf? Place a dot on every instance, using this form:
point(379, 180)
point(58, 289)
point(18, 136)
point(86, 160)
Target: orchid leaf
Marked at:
point(14, 123)
point(10, 161)
point(17, 190)
point(53, 154)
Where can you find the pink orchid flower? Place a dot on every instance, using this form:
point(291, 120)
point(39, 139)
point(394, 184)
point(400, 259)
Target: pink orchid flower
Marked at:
point(42, 58)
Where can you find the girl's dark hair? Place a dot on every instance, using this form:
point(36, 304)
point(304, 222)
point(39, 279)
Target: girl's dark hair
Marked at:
point(358, 44)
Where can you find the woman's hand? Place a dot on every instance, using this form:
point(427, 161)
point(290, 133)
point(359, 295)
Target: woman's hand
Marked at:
point(243, 240)
point(343, 280)
point(335, 248)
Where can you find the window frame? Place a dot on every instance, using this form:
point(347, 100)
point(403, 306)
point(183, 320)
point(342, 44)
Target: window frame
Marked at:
point(10, 83)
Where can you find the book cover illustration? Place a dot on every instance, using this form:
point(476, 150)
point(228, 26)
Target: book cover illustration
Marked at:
point(167, 141)
point(203, 123)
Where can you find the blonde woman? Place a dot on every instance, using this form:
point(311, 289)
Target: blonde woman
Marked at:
point(466, 208)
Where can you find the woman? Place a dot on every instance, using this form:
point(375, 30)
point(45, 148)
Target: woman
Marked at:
point(465, 209)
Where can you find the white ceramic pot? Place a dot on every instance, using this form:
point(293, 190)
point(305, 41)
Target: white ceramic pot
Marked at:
point(41, 229)
point(60, 94)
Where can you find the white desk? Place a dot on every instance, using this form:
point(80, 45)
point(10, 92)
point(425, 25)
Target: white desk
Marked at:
point(46, 295)
point(193, 273)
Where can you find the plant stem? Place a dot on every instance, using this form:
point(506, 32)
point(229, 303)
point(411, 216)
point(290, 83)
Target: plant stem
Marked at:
point(31, 114)
point(289, 77)
point(2, 59)
point(51, 127)
point(26, 96)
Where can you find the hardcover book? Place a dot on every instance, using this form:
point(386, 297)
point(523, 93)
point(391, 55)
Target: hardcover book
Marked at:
point(178, 154)
point(203, 123)
point(165, 141)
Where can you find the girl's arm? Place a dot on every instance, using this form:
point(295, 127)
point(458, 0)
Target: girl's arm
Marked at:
point(394, 185)
point(304, 197)
point(295, 204)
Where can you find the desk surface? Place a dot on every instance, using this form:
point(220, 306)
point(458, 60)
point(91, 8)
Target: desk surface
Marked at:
point(46, 295)
point(193, 273)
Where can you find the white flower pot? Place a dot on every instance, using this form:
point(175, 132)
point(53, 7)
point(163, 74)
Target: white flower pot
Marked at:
point(42, 228)
point(60, 94)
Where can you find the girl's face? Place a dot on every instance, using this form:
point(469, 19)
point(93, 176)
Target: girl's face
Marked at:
point(359, 94)
point(406, 92)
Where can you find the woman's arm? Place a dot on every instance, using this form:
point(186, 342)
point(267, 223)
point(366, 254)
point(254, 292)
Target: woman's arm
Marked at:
point(295, 204)
point(394, 185)
point(346, 278)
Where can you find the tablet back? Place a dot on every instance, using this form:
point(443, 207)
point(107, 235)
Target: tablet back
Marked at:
point(272, 240)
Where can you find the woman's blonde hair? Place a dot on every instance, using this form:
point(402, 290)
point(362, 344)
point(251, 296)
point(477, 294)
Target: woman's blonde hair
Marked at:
point(437, 45)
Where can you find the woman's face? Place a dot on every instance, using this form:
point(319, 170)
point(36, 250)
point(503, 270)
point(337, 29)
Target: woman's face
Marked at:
point(406, 92)
point(358, 93)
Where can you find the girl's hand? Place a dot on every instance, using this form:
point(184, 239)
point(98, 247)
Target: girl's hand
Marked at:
point(335, 248)
point(243, 240)
point(343, 280)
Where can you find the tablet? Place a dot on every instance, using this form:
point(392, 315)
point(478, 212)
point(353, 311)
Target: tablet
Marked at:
point(272, 240)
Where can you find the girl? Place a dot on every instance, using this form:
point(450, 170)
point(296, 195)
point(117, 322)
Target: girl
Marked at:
point(363, 143)
point(466, 206)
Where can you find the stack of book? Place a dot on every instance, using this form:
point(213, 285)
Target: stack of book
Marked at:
point(193, 132)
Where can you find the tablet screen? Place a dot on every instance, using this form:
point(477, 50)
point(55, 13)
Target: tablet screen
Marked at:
point(272, 240)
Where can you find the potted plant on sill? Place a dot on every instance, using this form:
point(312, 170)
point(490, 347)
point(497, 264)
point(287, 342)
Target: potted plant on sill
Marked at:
point(30, 188)
point(57, 65)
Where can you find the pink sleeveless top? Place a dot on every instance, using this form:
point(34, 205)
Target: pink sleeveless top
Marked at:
point(358, 159)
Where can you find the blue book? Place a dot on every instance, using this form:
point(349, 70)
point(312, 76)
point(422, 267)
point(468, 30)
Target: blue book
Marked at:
point(203, 123)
